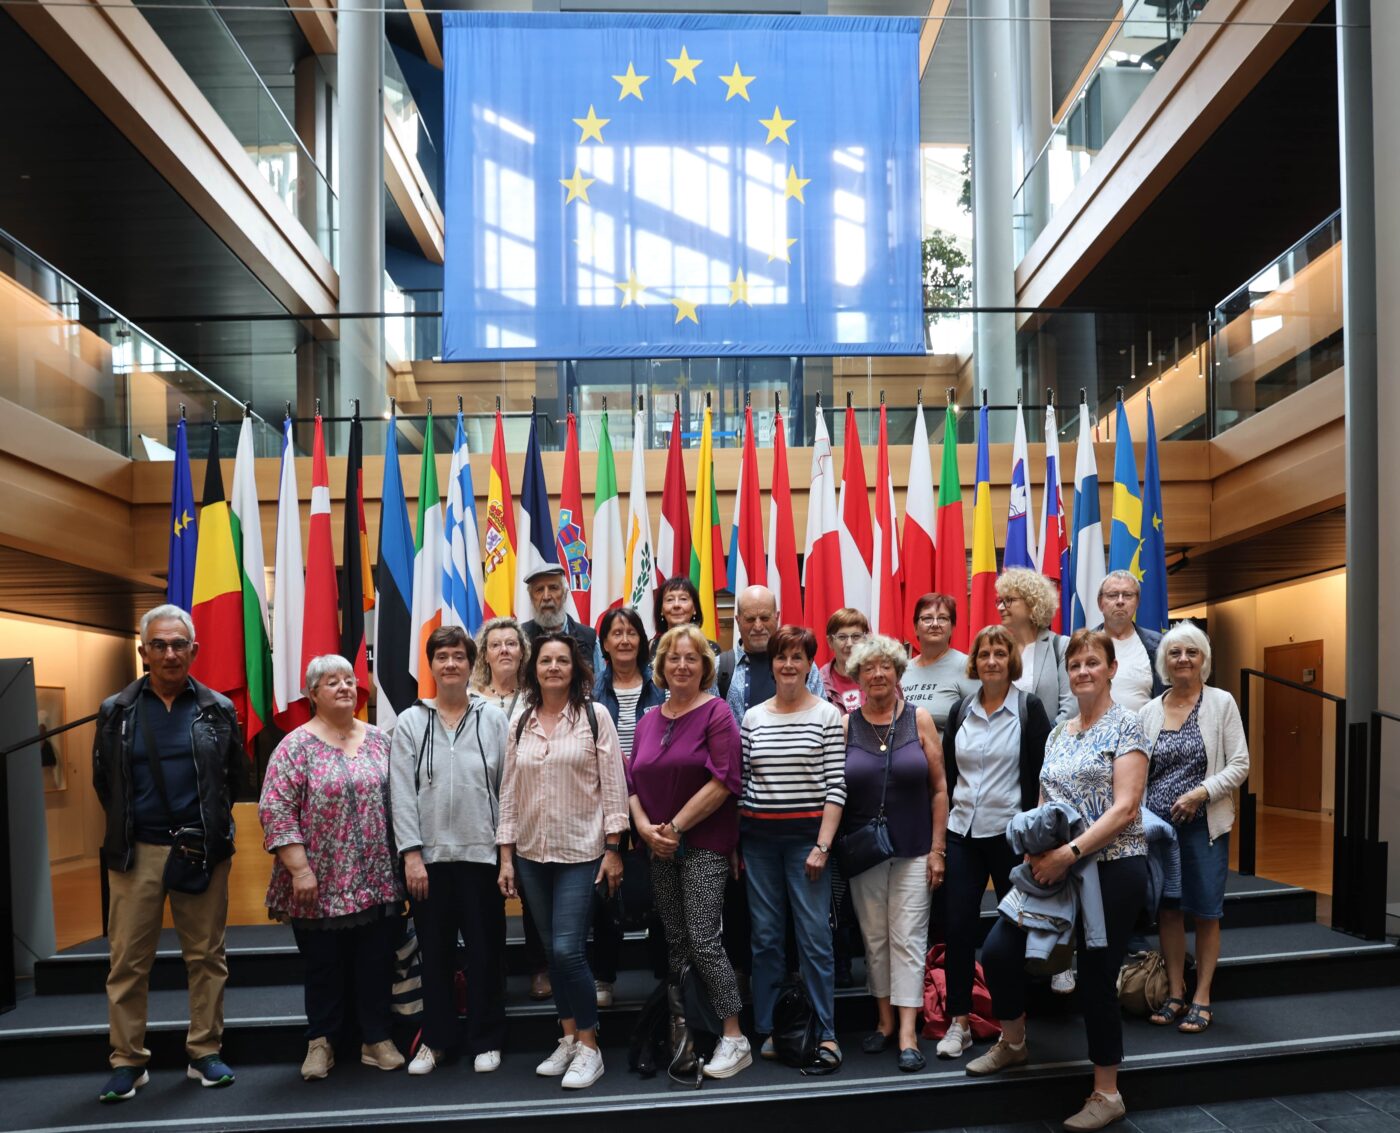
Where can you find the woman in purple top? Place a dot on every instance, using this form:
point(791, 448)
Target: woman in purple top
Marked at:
point(683, 781)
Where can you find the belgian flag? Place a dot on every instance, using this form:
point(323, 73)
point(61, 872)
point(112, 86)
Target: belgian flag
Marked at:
point(217, 607)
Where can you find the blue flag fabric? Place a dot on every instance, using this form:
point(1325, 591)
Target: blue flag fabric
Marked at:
point(394, 631)
point(1125, 535)
point(653, 185)
point(184, 533)
point(537, 546)
point(1152, 609)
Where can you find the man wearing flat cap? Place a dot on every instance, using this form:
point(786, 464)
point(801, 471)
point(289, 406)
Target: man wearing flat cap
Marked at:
point(549, 595)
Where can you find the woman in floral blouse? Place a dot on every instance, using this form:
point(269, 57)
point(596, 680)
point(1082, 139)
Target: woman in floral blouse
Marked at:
point(324, 812)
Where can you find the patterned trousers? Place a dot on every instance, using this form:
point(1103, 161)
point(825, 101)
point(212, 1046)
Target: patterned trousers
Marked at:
point(689, 895)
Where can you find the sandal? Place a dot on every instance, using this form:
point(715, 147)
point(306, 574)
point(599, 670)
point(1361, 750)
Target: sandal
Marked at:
point(829, 1059)
point(1171, 1010)
point(1197, 1020)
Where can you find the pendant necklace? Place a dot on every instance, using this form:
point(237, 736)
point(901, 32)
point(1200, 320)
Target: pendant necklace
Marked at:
point(885, 739)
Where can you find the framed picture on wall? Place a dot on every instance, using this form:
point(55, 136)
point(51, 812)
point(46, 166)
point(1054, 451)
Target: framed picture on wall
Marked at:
point(53, 750)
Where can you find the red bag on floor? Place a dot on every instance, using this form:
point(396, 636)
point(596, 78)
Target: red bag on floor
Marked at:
point(936, 1018)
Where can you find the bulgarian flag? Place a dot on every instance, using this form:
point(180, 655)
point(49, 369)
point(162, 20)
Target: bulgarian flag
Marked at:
point(950, 568)
point(320, 625)
point(917, 551)
point(427, 567)
point(707, 550)
point(821, 566)
point(673, 548)
point(746, 562)
point(886, 606)
point(574, 551)
point(609, 574)
point(640, 581)
point(783, 577)
point(984, 551)
point(248, 546)
point(217, 604)
point(857, 539)
point(498, 571)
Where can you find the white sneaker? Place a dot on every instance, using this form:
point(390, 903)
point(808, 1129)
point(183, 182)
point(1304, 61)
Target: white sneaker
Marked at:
point(731, 1056)
point(604, 991)
point(955, 1042)
point(1062, 983)
point(585, 1069)
point(425, 1061)
point(487, 1061)
point(558, 1062)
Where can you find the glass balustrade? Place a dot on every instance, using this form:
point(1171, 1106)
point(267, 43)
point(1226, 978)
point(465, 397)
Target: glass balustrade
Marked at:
point(212, 57)
point(407, 121)
point(1282, 330)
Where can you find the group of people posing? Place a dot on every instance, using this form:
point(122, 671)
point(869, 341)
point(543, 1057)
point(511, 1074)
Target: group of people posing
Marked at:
point(552, 761)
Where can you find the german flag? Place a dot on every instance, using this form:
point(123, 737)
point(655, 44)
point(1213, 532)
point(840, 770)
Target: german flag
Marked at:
point(217, 607)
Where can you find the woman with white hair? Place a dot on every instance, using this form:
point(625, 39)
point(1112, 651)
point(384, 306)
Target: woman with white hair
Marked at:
point(325, 815)
point(894, 774)
point(1199, 756)
point(1027, 601)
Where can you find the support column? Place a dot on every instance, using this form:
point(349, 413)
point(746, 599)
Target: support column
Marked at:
point(993, 282)
point(360, 83)
point(1032, 37)
point(1370, 150)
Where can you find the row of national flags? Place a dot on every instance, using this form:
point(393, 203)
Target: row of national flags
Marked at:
point(451, 566)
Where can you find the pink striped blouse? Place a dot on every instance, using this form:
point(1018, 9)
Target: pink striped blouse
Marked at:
point(561, 793)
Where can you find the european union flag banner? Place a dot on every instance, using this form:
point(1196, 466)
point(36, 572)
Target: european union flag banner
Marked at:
point(647, 186)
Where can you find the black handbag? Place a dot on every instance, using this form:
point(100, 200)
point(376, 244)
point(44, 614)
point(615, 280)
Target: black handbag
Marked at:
point(868, 844)
point(187, 867)
point(797, 1032)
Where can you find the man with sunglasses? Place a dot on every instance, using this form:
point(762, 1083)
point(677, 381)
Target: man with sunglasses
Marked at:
point(167, 761)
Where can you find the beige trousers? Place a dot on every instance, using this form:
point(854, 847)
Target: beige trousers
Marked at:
point(892, 904)
point(134, 916)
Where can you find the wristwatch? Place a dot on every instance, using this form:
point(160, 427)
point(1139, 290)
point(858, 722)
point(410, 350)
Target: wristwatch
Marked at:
point(612, 847)
point(676, 829)
point(824, 849)
point(1074, 848)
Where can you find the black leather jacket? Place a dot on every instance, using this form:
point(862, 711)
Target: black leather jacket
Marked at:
point(220, 766)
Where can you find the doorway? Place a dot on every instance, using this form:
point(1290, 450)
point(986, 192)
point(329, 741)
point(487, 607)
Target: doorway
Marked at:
point(1293, 728)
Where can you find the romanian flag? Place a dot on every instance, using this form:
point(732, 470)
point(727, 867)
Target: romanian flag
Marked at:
point(320, 626)
point(498, 571)
point(427, 567)
point(707, 551)
point(783, 577)
point(673, 536)
point(355, 600)
point(574, 551)
point(984, 550)
point(217, 607)
point(950, 566)
point(248, 545)
point(1125, 536)
point(746, 562)
point(886, 604)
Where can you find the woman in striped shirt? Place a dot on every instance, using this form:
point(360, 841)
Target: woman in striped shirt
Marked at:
point(794, 787)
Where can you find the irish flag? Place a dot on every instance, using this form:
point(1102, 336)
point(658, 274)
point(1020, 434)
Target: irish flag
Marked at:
point(609, 581)
point(640, 582)
point(248, 546)
point(427, 566)
point(217, 604)
point(950, 569)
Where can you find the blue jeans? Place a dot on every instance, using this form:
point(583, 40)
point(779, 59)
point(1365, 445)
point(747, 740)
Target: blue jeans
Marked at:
point(774, 865)
point(560, 898)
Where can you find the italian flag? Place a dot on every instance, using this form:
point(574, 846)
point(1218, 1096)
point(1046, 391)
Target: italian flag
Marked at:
point(248, 547)
point(950, 565)
point(609, 582)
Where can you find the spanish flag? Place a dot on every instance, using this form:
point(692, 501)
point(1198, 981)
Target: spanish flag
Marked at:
point(217, 604)
point(706, 552)
point(984, 549)
point(499, 567)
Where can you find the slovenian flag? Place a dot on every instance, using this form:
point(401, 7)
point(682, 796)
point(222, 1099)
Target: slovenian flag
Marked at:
point(1020, 540)
point(857, 538)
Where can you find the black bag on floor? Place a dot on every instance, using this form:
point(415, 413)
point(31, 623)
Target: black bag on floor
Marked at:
point(698, 1031)
point(797, 1031)
point(651, 1037)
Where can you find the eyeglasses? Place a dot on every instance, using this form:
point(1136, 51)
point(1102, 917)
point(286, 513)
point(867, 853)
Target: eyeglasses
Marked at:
point(1004, 600)
point(161, 646)
point(336, 682)
point(935, 620)
point(1187, 651)
point(848, 638)
point(1119, 595)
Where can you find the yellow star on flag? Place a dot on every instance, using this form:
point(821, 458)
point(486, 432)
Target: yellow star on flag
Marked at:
point(783, 253)
point(795, 185)
point(685, 310)
point(632, 291)
point(738, 83)
point(577, 186)
point(739, 290)
point(182, 522)
point(592, 126)
point(631, 83)
point(685, 67)
point(777, 126)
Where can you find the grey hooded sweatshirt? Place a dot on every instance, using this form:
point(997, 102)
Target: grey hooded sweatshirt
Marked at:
point(445, 788)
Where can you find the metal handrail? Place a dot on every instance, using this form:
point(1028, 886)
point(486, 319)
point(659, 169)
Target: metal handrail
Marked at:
point(32, 740)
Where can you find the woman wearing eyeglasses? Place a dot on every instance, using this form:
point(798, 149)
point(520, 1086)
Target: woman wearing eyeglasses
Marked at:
point(1027, 601)
point(936, 679)
point(845, 629)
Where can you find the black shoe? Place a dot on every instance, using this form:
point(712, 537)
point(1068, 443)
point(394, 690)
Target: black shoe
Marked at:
point(911, 1059)
point(876, 1042)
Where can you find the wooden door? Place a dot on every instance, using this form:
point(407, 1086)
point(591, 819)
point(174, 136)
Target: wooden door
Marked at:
point(1293, 728)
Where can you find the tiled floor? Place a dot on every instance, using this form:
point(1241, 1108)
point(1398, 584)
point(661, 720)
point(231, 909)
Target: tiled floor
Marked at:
point(1357, 1111)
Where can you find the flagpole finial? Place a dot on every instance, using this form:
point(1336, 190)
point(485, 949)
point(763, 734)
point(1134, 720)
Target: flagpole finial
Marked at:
point(393, 407)
point(534, 405)
point(247, 409)
point(949, 393)
point(984, 397)
point(459, 403)
point(214, 413)
point(678, 403)
point(1120, 395)
point(848, 399)
point(777, 402)
point(919, 398)
point(498, 406)
point(569, 404)
point(430, 407)
point(1149, 393)
point(605, 404)
point(707, 399)
point(1050, 396)
point(747, 401)
point(182, 411)
point(355, 401)
point(641, 402)
point(288, 404)
point(318, 407)
point(1018, 399)
point(882, 397)
point(819, 401)
point(1083, 396)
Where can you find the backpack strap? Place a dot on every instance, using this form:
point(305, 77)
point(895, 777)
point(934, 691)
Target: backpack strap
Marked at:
point(588, 708)
point(727, 662)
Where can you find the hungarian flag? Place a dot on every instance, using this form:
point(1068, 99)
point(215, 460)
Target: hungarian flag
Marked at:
point(534, 525)
point(641, 582)
point(917, 548)
point(355, 600)
point(608, 584)
point(707, 551)
point(427, 567)
point(1053, 546)
point(783, 577)
point(886, 605)
point(184, 529)
point(857, 539)
point(498, 569)
point(984, 548)
point(1020, 540)
point(950, 566)
point(217, 607)
point(821, 566)
point(573, 549)
point(288, 597)
point(320, 627)
point(395, 687)
point(248, 546)
point(461, 565)
point(746, 562)
point(673, 535)
point(1152, 612)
